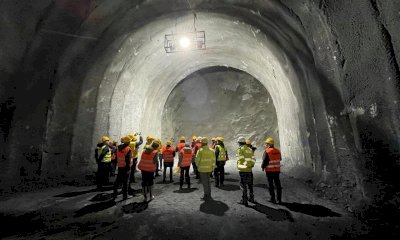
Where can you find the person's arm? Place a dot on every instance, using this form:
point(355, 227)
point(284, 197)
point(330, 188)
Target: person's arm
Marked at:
point(216, 153)
point(265, 160)
point(128, 157)
point(180, 158)
point(198, 157)
point(227, 157)
point(138, 143)
point(155, 159)
point(96, 155)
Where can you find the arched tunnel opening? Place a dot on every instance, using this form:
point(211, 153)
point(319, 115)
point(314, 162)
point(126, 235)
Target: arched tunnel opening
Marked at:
point(319, 77)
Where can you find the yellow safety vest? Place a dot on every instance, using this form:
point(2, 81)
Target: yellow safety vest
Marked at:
point(246, 160)
point(107, 157)
point(205, 160)
point(222, 153)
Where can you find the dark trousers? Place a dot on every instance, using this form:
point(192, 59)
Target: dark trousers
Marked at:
point(195, 169)
point(185, 172)
point(246, 181)
point(122, 177)
point(273, 177)
point(219, 173)
point(103, 174)
point(169, 165)
point(132, 175)
point(147, 179)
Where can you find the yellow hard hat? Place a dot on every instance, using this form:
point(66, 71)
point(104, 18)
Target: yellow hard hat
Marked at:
point(269, 141)
point(168, 142)
point(221, 139)
point(182, 138)
point(105, 138)
point(126, 139)
point(248, 141)
point(149, 138)
point(194, 138)
point(204, 140)
point(131, 135)
point(213, 139)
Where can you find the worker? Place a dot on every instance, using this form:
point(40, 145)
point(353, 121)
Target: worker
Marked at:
point(245, 164)
point(159, 157)
point(148, 165)
point(114, 147)
point(181, 144)
point(168, 155)
point(195, 149)
point(102, 154)
point(205, 162)
point(194, 138)
point(185, 159)
point(221, 156)
point(251, 145)
point(149, 140)
point(124, 163)
point(134, 145)
point(213, 142)
point(272, 166)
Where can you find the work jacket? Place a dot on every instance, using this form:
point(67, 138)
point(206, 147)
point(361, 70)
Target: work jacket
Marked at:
point(205, 160)
point(245, 159)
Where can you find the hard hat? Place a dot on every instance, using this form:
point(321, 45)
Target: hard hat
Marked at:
point(131, 135)
point(194, 138)
point(182, 138)
point(168, 142)
point(126, 139)
point(149, 138)
point(248, 141)
point(198, 139)
point(105, 138)
point(269, 141)
point(213, 139)
point(158, 141)
point(241, 140)
point(221, 139)
point(134, 139)
point(204, 140)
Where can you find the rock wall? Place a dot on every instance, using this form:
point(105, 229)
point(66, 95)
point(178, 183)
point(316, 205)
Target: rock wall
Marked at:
point(221, 102)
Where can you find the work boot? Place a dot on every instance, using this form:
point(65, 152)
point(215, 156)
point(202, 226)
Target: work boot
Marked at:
point(144, 194)
point(243, 202)
point(272, 193)
point(279, 195)
point(151, 196)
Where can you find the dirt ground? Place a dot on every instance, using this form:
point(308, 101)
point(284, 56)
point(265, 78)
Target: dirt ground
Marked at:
point(69, 212)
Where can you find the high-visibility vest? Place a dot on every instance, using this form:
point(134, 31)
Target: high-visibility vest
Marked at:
point(107, 157)
point(246, 160)
point(274, 164)
point(132, 145)
point(146, 162)
point(205, 160)
point(121, 156)
point(168, 154)
point(222, 153)
point(179, 146)
point(186, 157)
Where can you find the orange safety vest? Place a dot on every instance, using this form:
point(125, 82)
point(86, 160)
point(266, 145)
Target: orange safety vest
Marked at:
point(168, 154)
point(121, 154)
point(187, 158)
point(179, 146)
point(146, 162)
point(274, 164)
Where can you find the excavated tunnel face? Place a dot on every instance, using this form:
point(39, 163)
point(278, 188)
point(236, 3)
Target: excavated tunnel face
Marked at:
point(220, 101)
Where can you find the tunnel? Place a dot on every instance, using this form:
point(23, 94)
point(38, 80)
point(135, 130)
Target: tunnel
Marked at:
point(319, 77)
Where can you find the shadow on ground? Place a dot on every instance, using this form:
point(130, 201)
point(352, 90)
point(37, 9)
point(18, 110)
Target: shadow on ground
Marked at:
point(272, 213)
point(186, 190)
point(96, 207)
point(135, 207)
point(21, 225)
point(229, 187)
point(230, 180)
point(310, 209)
point(213, 207)
point(77, 193)
point(259, 185)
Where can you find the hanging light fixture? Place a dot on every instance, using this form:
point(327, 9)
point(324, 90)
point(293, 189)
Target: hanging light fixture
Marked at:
point(189, 41)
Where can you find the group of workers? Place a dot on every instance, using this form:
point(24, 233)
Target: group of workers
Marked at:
point(122, 159)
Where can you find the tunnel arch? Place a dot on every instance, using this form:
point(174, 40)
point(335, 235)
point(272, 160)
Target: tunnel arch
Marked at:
point(144, 80)
point(291, 45)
